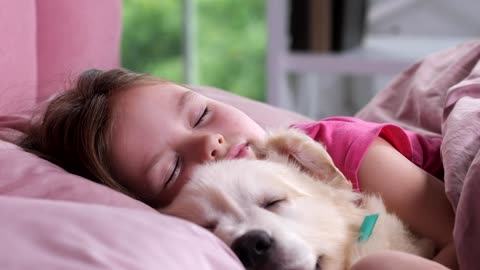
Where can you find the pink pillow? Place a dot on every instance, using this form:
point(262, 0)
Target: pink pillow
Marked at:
point(45, 234)
point(25, 175)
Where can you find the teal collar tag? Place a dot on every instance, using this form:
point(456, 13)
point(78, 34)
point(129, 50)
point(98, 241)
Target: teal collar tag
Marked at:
point(367, 227)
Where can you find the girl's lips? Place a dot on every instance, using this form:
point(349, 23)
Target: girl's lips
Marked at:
point(237, 151)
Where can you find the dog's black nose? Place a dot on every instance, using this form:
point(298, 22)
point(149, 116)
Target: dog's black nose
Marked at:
point(253, 248)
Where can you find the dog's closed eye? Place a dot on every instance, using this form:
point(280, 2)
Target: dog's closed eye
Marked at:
point(271, 204)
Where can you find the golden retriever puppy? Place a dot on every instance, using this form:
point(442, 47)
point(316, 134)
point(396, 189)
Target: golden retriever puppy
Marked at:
point(290, 210)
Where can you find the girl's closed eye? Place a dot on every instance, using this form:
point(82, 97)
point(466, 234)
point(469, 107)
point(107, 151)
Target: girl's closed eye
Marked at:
point(202, 116)
point(175, 172)
point(176, 168)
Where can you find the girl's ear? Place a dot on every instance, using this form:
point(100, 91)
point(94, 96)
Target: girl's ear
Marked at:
point(293, 146)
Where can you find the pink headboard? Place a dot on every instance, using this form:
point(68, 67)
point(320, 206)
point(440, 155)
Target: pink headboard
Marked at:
point(60, 220)
point(44, 46)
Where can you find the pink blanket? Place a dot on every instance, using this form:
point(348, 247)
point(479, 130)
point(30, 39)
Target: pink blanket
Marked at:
point(440, 96)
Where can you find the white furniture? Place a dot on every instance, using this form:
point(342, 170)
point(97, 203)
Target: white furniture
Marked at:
point(379, 55)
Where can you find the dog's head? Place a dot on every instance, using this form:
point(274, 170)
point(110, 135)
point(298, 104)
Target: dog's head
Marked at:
point(273, 213)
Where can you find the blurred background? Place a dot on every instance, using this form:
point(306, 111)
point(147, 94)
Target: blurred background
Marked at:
point(316, 57)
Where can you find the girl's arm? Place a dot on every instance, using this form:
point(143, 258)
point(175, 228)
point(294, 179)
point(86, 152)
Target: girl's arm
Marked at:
point(415, 196)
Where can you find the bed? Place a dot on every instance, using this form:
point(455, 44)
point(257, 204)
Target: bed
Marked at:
point(51, 219)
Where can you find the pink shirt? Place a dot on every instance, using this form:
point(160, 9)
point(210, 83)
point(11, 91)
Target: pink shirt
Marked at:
point(347, 140)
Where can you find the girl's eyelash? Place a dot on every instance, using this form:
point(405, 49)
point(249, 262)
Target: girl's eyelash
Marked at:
point(175, 172)
point(202, 117)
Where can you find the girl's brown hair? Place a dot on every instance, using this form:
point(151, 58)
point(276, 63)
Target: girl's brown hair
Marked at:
point(73, 131)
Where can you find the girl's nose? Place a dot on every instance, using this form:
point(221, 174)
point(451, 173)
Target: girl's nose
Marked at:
point(209, 147)
point(214, 146)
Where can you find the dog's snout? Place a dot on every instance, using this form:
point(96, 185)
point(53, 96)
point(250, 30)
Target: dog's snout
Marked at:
point(253, 248)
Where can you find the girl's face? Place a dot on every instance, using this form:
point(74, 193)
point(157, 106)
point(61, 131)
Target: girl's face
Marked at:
point(160, 133)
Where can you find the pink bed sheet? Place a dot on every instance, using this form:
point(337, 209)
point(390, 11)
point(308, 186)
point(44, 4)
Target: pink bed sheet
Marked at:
point(440, 96)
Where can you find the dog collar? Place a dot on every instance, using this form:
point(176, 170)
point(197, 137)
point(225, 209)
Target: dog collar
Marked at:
point(367, 227)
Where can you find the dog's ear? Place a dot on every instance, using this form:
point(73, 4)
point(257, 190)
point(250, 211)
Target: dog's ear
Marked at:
point(310, 155)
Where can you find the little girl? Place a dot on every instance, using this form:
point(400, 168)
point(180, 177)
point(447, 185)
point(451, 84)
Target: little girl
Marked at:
point(145, 136)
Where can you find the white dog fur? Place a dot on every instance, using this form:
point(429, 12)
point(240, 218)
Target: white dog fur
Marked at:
point(298, 201)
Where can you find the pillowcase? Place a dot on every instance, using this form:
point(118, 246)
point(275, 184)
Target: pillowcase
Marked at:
point(46, 234)
point(26, 175)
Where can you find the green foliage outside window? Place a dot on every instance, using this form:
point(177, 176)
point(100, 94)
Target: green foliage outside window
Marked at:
point(231, 42)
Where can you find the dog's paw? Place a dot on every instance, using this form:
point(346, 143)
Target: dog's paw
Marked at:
point(309, 154)
point(285, 142)
point(291, 141)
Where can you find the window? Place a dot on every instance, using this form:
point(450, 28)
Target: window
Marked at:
point(229, 42)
